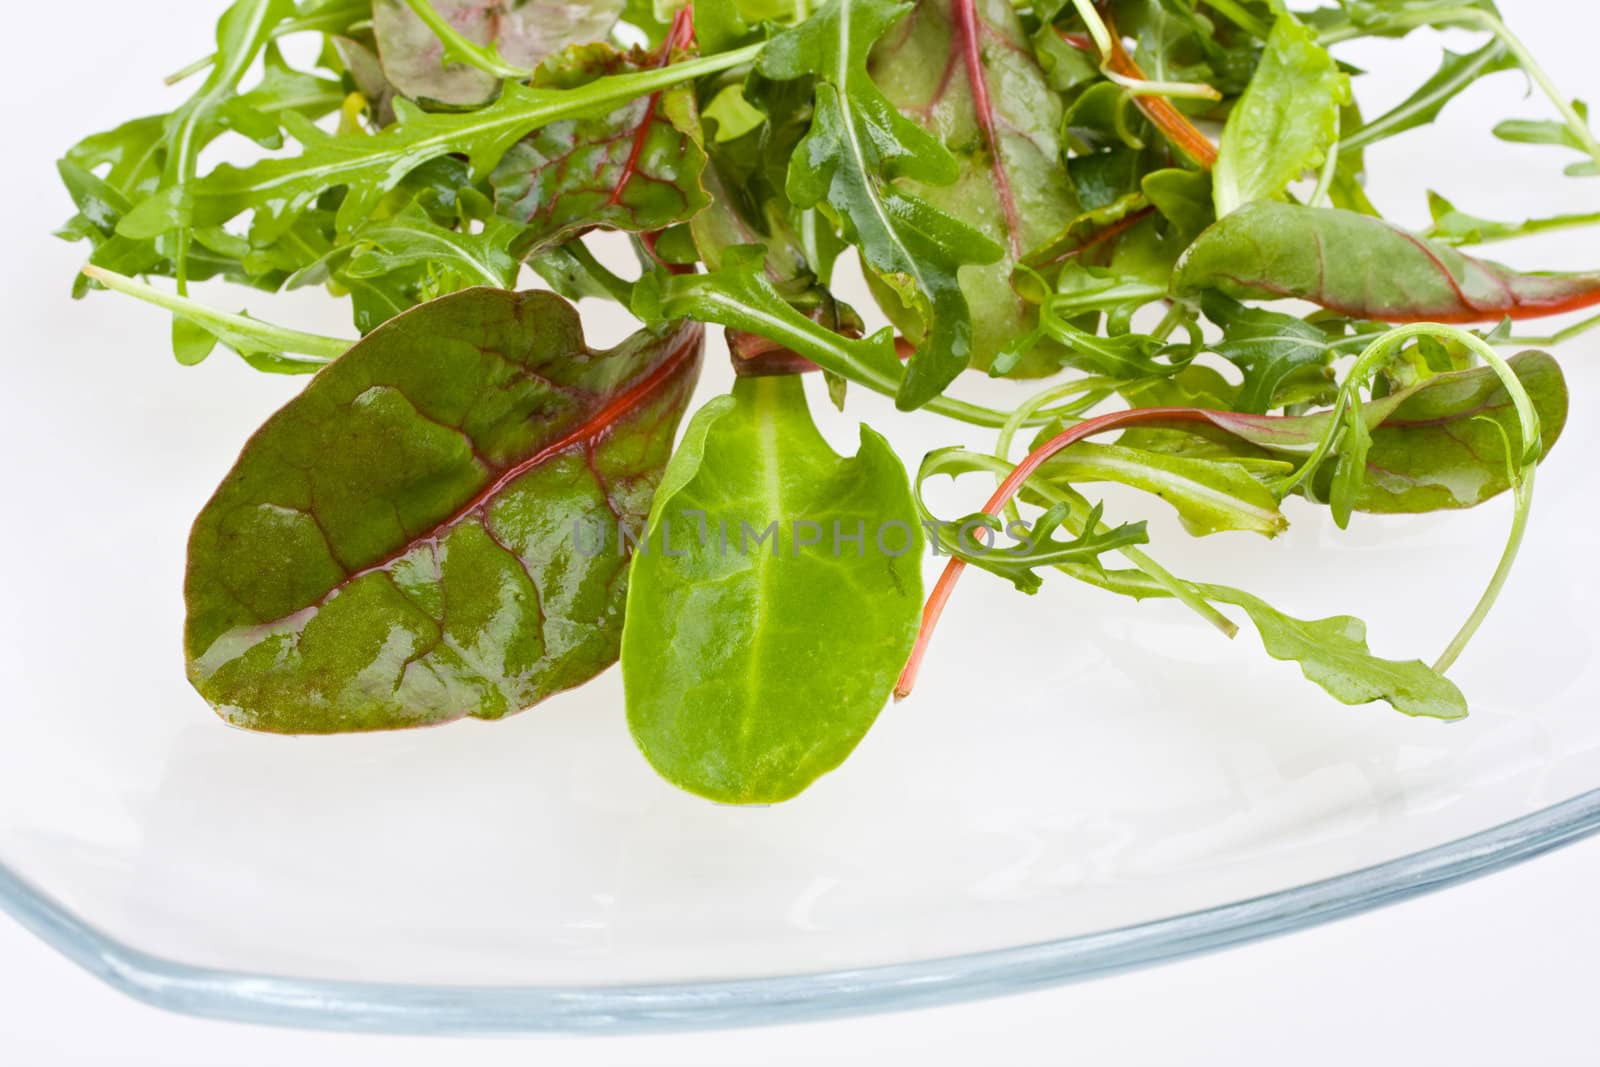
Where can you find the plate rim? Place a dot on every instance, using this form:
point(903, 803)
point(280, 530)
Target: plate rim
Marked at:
point(392, 1008)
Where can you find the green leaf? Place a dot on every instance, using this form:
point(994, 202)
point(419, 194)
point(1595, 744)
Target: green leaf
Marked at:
point(1333, 653)
point(1000, 121)
point(753, 669)
point(1270, 349)
point(636, 168)
point(455, 259)
point(1455, 74)
point(1284, 124)
point(1210, 496)
point(1455, 227)
point(857, 145)
point(1366, 268)
point(277, 190)
point(520, 32)
point(409, 540)
point(1443, 446)
point(1439, 444)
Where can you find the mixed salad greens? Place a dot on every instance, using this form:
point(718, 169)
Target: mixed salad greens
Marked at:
point(470, 509)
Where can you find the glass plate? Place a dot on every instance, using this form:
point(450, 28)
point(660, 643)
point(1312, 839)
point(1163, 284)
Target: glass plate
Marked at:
point(1081, 784)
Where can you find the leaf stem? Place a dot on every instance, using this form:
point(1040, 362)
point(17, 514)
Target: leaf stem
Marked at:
point(1559, 337)
point(331, 20)
point(1230, 10)
point(231, 329)
point(1167, 581)
point(461, 50)
point(1348, 406)
point(1491, 23)
point(1009, 487)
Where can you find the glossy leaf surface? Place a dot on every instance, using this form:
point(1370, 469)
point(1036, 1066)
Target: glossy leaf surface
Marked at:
point(400, 544)
point(857, 145)
point(1367, 268)
point(636, 168)
point(963, 70)
point(1284, 123)
point(754, 667)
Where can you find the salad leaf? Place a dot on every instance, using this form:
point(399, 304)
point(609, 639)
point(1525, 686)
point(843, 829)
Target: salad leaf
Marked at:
point(400, 544)
point(279, 189)
point(962, 70)
point(752, 667)
point(1457, 71)
point(1333, 653)
point(1286, 121)
point(521, 33)
point(1367, 268)
point(857, 145)
point(1452, 226)
point(636, 168)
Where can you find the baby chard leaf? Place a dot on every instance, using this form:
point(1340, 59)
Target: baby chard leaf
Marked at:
point(962, 70)
point(775, 600)
point(522, 33)
point(1284, 123)
point(1367, 268)
point(637, 168)
point(857, 145)
point(406, 542)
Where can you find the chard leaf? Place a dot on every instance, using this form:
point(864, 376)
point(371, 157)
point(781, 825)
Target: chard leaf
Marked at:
point(397, 546)
point(857, 146)
point(637, 168)
point(520, 32)
point(753, 667)
point(1366, 268)
point(963, 71)
point(1284, 124)
point(1439, 444)
point(1333, 653)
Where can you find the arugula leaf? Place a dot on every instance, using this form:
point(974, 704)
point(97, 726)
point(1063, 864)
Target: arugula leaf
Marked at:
point(1457, 71)
point(277, 190)
point(637, 168)
point(1367, 268)
point(1452, 226)
point(400, 544)
point(1272, 349)
point(962, 70)
point(1284, 124)
point(858, 143)
point(1561, 134)
point(519, 33)
point(1333, 653)
point(752, 668)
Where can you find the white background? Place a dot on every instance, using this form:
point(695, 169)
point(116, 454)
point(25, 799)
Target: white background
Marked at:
point(1502, 970)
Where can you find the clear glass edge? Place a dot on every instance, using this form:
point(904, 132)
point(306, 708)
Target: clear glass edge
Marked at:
point(713, 1004)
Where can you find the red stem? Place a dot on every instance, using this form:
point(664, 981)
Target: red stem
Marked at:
point(965, 15)
point(1173, 124)
point(942, 589)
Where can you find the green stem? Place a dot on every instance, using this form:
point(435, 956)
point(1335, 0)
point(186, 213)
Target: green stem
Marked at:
point(1522, 496)
point(1234, 13)
point(1559, 337)
point(331, 20)
point(1348, 404)
point(1330, 167)
point(1485, 20)
point(1098, 32)
point(233, 330)
point(461, 50)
